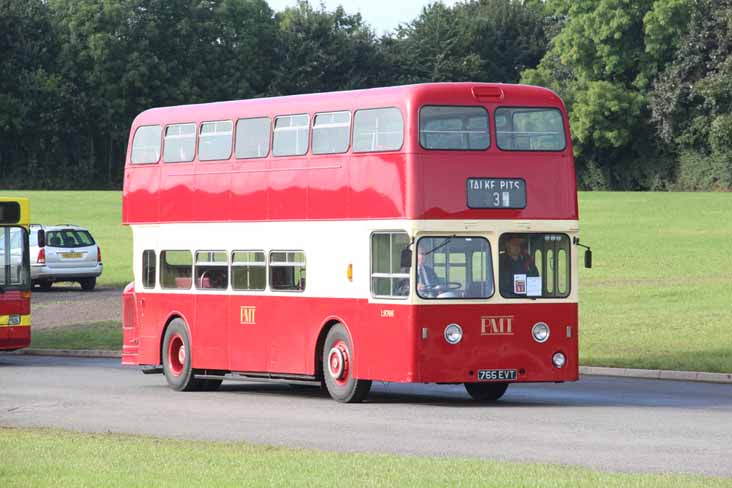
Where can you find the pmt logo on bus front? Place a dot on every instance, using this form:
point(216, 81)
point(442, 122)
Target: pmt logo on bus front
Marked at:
point(498, 325)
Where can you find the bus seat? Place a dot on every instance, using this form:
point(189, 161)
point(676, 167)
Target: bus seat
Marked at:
point(183, 282)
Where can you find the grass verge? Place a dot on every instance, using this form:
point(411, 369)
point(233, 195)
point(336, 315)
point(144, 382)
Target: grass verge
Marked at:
point(97, 335)
point(56, 458)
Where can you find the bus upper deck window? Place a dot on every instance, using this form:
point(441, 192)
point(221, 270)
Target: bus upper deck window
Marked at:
point(530, 129)
point(290, 135)
point(180, 143)
point(380, 129)
point(215, 140)
point(454, 128)
point(146, 144)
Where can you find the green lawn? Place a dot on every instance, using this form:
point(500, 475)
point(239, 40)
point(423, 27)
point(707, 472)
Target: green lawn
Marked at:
point(97, 335)
point(659, 295)
point(660, 292)
point(57, 458)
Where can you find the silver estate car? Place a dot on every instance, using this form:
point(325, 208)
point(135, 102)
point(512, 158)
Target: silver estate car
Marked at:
point(69, 254)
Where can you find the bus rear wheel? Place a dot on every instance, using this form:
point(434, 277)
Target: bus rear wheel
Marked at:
point(338, 368)
point(486, 392)
point(177, 358)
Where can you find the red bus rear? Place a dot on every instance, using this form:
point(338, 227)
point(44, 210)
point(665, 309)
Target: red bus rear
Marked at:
point(423, 233)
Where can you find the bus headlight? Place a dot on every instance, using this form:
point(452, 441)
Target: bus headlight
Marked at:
point(14, 320)
point(453, 333)
point(559, 360)
point(540, 332)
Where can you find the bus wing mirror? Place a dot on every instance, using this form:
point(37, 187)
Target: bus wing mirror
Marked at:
point(406, 261)
point(41, 238)
point(588, 258)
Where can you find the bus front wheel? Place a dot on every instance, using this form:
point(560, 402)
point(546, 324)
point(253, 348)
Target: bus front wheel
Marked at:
point(486, 392)
point(338, 368)
point(177, 358)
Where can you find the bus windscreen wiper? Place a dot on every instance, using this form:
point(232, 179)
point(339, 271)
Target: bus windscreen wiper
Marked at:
point(441, 245)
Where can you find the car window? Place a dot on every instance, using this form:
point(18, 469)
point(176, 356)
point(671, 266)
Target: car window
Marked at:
point(69, 238)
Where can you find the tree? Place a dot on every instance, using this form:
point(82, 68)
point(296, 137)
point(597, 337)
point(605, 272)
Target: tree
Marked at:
point(486, 40)
point(30, 92)
point(124, 56)
point(320, 51)
point(602, 63)
point(691, 100)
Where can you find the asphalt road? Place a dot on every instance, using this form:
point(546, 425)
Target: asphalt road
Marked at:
point(605, 423)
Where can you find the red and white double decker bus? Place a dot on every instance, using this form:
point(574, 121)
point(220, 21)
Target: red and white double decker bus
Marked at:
point(15, 281)
point(421, 234)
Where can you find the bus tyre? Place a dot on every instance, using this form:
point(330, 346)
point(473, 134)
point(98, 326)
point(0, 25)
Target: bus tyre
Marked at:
point(486, 392)
point(338, 368)
point(177, 358)
point(210, 385)
point(88, 284)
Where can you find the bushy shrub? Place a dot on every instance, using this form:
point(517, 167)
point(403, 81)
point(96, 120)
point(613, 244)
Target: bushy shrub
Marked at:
point(705, 172)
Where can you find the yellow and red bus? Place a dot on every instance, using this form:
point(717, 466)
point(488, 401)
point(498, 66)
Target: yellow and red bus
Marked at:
point(15, 281)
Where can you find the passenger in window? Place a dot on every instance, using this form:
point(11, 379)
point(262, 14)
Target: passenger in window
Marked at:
point(515, 261)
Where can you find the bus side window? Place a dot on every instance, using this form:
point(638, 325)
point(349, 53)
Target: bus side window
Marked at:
point(388, 278)
point(212, 270)
point(176, 269)
point(287, 270)
point(148, 268)
point(248, 270)
point(380, 129)
point(146, 144)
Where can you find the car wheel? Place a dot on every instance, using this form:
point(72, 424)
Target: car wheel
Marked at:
point(45, 285)
point(177, 358)
point(88, 284)
point(486, 392)
point(338, 368)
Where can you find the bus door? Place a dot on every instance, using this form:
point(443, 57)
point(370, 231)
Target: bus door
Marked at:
point(248, 333)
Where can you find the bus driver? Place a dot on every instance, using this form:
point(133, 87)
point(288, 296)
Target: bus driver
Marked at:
point(515, 260)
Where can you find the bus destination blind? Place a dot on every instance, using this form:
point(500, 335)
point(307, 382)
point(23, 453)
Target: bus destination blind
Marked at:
point(496, 193)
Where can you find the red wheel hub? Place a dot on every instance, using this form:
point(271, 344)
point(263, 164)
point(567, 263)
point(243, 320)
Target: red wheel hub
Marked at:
point(339, 363)
point(176, 355)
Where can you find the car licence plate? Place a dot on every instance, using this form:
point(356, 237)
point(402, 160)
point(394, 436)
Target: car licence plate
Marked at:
point(496, 374)
point(71, 255)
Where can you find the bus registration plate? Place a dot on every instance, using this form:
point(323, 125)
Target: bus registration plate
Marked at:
point(496, 193)
point(496, 374)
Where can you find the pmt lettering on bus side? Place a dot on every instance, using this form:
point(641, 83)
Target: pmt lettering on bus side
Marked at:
point(247, 315)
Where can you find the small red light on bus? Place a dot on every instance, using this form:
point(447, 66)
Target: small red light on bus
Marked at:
point(41, 256)
point(492, 92)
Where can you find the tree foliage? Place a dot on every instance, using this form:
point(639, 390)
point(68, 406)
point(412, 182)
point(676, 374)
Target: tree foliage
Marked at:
point(486, 40)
